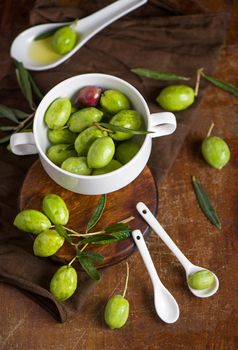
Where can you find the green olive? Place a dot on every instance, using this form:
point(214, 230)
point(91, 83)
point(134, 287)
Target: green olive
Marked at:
point(33, 221)
point(58, 113)
point(47, 243)
point(76, 165)
point(58, 153)
point(129, 119)
point(113, 165)
point(55, 208)
point(176, 97)
point(84, 118)
point(64, 40)
point(61, 136)
point(86, 138)
point(215, 151)
point(116, 311)
point(113, 101)
point(200, 280)
point(64, 282)
point(126, 151)
point(101, 152)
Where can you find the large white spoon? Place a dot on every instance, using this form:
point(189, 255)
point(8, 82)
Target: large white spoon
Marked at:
point(87, 27)
point(188, 266)
point(165, 304)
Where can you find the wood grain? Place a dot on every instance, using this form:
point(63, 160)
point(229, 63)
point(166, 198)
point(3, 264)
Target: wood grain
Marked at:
point(120, 205)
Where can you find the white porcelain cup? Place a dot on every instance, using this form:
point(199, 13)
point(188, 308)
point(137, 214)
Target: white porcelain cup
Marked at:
point(160, 124)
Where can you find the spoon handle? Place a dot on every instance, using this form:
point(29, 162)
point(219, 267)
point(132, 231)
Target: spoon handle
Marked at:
point(141, 245)
point(102, 18)
point(158, 229)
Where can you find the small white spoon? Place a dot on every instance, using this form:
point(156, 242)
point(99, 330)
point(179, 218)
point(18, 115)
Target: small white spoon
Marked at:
point(188, 266)
point(165, 304)
point(87, 27)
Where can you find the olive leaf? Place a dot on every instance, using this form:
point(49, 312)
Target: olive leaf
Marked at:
point(19, 114)
point(97, 212)
point(6, 112)
point(221, 84)
point(117, 227)
point(35, 88)
point(7, 128)
point(24, 83)
point(205, 203)
point(158, 75)
point(107, 238)
point(86, 261)
point(120, 128)
point(5, 139)
point(63, 232)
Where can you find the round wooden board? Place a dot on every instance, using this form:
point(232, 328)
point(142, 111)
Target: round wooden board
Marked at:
point(120, 205)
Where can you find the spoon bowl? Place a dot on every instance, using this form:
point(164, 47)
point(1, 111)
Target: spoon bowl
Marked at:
point(86, 28)
point(165, 304)
point(202, 293)
point(188, 266)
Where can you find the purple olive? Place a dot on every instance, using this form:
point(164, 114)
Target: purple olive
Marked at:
point(88, 96)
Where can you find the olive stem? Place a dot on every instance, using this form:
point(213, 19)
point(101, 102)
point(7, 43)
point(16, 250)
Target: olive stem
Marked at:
point(71, 262)
point(199, 73)
point(102, 127)
point(85, 245)
point(210, 129)
point(127, 220)
point(127, 279)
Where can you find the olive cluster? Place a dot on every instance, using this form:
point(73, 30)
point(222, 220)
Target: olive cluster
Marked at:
point(48, 241)
point(79, 144)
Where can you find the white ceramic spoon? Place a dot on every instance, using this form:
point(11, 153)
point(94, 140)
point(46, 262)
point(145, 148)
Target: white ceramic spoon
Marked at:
point(87, 27)
point(165, 304)
point(188, 266)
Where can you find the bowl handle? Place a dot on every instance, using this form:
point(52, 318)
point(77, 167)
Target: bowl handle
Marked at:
point(23, 143)
point(162, 123)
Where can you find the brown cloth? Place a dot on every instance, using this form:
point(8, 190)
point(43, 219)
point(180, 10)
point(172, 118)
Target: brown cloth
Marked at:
point(155, 36)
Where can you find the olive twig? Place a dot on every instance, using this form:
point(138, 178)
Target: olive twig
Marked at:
point(210, 129)
point(127, 279)
point(102, 127)
point(85, 245)
point(24, 122)
point(71, 262)
point(199, 73)
point(125, 221)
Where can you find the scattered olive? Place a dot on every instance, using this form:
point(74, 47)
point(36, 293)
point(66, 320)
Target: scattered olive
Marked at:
point(200, 280)
point(215, 151)
point(176, 97)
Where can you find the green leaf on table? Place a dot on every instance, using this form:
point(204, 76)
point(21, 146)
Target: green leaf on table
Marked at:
point(6, 112)
point(158, 75)
point(24, 83)
point(97, 212)
point(63, 232)
point(5, 139)
point(121, 129)
point(35, 88)
point(7, 128)
point(86, 261)
point(20, 114)
point(205, 203)
point(221, 84)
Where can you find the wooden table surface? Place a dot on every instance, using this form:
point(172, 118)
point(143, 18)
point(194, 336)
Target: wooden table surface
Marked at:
point(204, 323)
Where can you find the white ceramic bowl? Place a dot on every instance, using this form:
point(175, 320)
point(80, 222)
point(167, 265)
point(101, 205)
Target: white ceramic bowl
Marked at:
point(37, 142)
